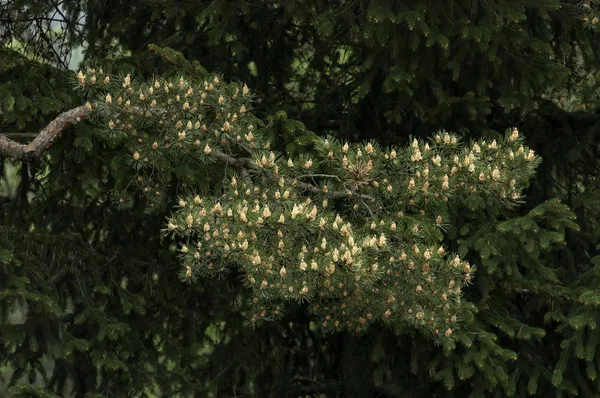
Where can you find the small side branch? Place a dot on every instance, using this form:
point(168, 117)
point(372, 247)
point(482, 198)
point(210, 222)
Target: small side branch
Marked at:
point(334, 194)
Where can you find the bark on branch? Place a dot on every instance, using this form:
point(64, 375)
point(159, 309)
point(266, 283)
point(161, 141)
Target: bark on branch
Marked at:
point(36, 148)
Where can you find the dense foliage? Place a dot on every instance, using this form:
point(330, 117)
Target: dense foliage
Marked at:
point(84, 257)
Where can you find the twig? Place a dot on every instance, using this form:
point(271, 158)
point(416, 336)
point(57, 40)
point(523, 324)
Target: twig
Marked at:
point(334, 194)
point(319, 175)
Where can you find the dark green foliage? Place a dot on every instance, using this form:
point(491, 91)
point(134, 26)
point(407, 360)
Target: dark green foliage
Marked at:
point(29, 93)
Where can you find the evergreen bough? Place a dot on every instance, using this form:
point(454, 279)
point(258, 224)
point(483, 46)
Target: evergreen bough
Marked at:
point(352, 229)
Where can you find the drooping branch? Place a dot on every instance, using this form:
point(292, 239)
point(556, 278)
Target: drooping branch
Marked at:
point(36, 148)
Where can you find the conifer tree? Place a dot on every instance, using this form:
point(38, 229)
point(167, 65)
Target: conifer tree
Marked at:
point(351, 231)
point(526, 321)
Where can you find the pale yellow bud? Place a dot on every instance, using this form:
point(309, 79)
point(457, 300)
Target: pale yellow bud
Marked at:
point(81, 78)
point(266, 213)
point(189, 220)
point(496, 174)
point(303, 265)
point(295, 211)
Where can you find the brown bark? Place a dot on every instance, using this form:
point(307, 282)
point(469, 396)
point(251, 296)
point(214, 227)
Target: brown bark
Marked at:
point(36, 148)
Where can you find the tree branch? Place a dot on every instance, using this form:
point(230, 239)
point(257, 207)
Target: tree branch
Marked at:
point(334, 194)
point(241, 165)
point(35, 149)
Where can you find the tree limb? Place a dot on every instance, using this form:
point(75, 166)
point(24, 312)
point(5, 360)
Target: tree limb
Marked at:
point(36, 148)
point(241, 165)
